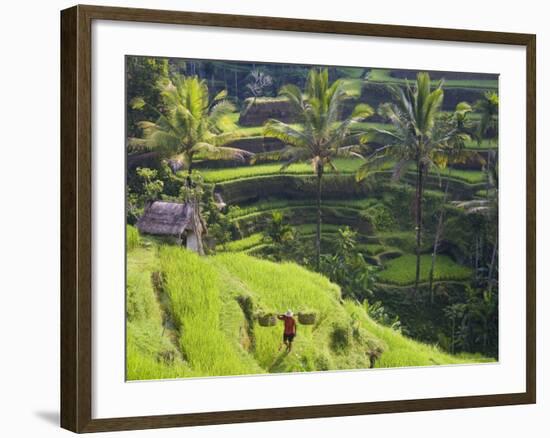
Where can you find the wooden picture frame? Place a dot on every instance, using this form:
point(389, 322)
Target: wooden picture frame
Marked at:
point(76, 217)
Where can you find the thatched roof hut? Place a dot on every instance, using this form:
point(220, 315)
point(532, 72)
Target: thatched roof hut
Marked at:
point(175, 220)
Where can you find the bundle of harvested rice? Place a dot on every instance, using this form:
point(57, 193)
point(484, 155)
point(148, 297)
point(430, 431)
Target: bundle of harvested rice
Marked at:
point(307, 318)
point(267, 319)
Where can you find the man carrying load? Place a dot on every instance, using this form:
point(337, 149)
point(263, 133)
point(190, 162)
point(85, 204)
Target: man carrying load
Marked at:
point(290, 329)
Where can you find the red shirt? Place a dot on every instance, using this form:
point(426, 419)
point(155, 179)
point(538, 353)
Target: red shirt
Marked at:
point(290, 324)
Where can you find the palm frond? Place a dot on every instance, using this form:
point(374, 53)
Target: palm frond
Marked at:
point(287, 153)
point(373, 163)
point(294, 95)
point(362, 111)
point(220, 111)
point(164, 141)
point(286, 133)
point(223, 152)
point(220, 96)
point(136, 144)
point(137, 103)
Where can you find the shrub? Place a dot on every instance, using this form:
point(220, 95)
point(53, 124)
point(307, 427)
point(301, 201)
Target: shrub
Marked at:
point(340, 337)
point(380, 216)
point(347, 267)
point(377, 312)
point(152, 186)
point(323, 362)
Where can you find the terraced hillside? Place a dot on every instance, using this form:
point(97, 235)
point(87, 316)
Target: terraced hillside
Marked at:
point(190, 316)
point(367, 197)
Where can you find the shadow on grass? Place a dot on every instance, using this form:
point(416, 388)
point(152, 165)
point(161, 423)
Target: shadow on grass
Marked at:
point(275, 366)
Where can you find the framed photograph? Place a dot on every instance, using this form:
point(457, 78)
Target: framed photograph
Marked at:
point(268, 218)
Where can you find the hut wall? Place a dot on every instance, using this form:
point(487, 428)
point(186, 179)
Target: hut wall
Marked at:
point(192, 242)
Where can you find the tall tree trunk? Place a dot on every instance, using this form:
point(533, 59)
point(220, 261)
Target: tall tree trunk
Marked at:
point(438, 233)
point(189, 172)
point(418, 202)
point(492, 265)
point(488, 172)
point(318, 235)
point(476, 265)
point(453, 336)
point(485, 334)
point(198, 223)
point(236, 87)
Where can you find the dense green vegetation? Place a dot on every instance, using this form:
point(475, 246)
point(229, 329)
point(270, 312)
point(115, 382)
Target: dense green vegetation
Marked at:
point(352, 194)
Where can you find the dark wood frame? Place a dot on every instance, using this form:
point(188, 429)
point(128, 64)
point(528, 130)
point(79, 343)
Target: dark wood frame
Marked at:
point(76, 177)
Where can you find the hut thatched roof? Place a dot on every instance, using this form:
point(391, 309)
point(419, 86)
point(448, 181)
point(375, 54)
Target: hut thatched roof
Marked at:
point(166, 219)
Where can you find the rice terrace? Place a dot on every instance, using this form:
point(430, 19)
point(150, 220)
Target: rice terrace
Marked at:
point(292, 218)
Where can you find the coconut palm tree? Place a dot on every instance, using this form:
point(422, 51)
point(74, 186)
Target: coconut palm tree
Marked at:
point(189, 122)
point(488, 107)
point(324, 136)
point(417, 141)
point(460, 127)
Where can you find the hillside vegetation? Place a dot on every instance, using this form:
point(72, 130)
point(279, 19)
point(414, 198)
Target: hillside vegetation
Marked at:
point(191, 316)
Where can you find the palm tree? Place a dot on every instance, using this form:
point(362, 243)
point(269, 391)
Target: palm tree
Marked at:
point(323, 136)
point(259, 83)
point(455, 152)
point(189, 122)
point(488, 107)
point(417, 140)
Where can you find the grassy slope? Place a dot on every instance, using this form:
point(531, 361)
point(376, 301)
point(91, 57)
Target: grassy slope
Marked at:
point(214, 337)
point(146, 341)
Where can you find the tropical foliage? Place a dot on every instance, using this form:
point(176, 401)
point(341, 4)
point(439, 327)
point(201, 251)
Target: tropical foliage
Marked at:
point(421, 139)
point(189, 122)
